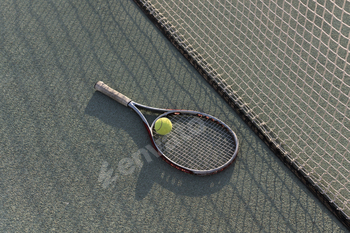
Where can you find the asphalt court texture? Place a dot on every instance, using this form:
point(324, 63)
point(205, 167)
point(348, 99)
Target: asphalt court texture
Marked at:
point(63, 145)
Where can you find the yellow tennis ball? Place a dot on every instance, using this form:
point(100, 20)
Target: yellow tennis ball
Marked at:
point(163, 126)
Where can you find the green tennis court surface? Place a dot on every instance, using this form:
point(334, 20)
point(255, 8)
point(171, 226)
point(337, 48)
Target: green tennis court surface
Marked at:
point(70, 157)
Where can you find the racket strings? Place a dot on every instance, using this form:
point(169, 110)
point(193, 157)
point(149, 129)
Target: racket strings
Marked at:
point(197, 143)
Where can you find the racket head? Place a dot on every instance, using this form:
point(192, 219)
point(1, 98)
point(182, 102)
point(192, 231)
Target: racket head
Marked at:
point(198, 143)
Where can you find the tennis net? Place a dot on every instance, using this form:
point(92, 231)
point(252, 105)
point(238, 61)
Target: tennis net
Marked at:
point(284, 66)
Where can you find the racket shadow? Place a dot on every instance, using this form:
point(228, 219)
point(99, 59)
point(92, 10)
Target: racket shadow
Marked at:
point(179, 182)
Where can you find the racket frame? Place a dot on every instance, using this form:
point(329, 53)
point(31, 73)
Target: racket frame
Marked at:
point(164, 112)
point(135, 106)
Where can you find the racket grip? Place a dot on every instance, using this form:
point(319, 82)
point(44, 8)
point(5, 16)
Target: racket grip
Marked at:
point(105, 89)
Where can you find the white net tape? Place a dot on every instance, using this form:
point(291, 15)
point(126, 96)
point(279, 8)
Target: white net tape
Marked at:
point(288, 60)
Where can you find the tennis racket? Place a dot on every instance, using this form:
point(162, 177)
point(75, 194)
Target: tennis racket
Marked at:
point(198, 143)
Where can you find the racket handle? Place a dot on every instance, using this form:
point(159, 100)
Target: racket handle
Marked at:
point(105, 89)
